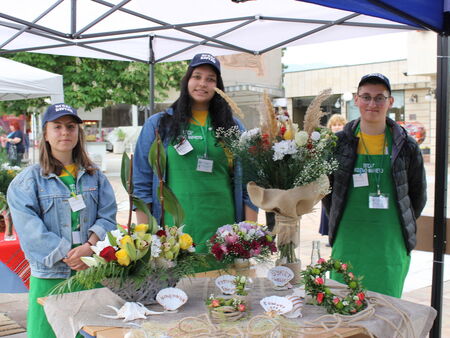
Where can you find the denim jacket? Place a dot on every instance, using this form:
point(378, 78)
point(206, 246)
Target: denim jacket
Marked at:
point(41, 215)
point(146, 182)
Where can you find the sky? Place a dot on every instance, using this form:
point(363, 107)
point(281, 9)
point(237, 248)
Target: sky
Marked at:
point(346, 52)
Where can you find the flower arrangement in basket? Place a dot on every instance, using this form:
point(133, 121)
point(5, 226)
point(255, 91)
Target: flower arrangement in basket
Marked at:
point(136, 261)
point(314, 281)
point(242, 240)
point(226, 309)
point(286, 168)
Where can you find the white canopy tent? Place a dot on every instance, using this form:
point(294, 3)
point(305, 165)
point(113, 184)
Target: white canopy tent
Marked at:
point(19, 81)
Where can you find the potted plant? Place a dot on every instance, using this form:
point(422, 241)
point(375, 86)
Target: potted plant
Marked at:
point(119, 143)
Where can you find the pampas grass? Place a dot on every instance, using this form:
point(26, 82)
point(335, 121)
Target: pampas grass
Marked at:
point(314, 113)
point(234, 107)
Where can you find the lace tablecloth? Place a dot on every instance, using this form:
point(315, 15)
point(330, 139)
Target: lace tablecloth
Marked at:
point(69, 313)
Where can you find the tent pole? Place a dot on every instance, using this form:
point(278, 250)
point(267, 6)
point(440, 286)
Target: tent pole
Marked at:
point(151, 76)
point(440, 191)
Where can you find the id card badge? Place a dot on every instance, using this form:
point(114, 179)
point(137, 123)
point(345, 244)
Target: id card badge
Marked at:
point(76, 238)
point(378, 201)
point(183, 147)
point(205, 165)
point(360, 180)
point(77, 203)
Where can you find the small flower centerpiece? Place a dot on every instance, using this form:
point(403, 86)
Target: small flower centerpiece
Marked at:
point(314, 280)
point(242, 241)
point(286, 168)
point(226, 309)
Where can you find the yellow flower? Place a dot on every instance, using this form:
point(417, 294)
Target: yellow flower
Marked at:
point(288, 134)
point(126, 239)
point(123, 258)
point(185, 241)
point(141, 227)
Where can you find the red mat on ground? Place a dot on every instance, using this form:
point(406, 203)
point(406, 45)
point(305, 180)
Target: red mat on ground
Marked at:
point(13, 257)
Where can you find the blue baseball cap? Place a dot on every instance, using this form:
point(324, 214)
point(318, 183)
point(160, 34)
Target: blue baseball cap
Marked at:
point(205, 59)
point(377, 78)
point(58, 110)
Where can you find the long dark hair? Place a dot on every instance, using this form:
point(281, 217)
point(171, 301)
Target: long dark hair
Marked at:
point(50, 164)
point(173, 126)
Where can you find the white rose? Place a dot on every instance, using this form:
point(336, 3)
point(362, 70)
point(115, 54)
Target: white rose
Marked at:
point(301, 138)
point(315, 136)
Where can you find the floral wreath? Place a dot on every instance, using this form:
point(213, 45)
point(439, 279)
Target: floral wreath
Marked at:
point(313, 279)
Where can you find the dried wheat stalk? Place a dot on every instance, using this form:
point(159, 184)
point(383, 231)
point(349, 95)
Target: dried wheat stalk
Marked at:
point(314, 113)
point(234, 107)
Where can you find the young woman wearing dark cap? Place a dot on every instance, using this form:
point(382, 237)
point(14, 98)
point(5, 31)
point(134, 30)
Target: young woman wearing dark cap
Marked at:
point(60, 207)
point(205, 180)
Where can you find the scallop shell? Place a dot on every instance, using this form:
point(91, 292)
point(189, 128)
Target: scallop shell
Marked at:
point(276, 305)
point(297, 305)
point(226, 284)
point(280, 275)
point(171, 298)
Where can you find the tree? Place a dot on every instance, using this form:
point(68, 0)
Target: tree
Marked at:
point(92, 83)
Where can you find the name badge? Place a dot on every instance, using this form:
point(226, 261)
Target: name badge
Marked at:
point(77, 203)
point(183, 147)
point(378, 201)
point(205, 165)
point(76, 238)
point(360, 180)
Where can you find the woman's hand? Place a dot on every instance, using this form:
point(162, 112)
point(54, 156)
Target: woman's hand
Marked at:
point(73, 257)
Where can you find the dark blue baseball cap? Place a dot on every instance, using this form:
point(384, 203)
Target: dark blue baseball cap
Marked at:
point(55, 111)
point(375, 78)
point(205, 59)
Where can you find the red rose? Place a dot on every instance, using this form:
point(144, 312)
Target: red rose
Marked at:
point(344, 266)
point(358, 303)
point(161, 233)
point(282, 130)
point(321, 260)
point(319, 281)
point(319, 297)
point(241, 308)
point(361, 296)
point(336, 300)
point(109, 254)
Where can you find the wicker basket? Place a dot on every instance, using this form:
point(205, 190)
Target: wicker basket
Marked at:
point(144, 292)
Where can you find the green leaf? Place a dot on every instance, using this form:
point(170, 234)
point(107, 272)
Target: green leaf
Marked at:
point(125, 173)
point(142, 206)
point(153, 156)
point(112, 239)
point(131, 251)
point(172, 205)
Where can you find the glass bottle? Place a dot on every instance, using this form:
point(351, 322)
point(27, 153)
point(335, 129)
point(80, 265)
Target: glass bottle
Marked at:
point(315, 252)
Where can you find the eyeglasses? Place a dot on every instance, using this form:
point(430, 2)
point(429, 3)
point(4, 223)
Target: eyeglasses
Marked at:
point(379, 99)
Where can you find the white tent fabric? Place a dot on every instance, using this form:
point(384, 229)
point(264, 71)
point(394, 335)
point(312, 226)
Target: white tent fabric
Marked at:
point(19, 81)
point(176, 29)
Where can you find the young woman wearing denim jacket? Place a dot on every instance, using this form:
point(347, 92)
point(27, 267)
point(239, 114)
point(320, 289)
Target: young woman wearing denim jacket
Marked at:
point(59, 209)
point(213, 195)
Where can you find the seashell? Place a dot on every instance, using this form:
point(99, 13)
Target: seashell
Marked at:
point(171, 298)
point(280, 276)
point(226, 284)
point(131, 311)
point(276, 305)
point(297, 304)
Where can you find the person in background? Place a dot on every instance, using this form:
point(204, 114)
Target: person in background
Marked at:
point(15, 144)
point(203, 177)
point(60, 208)
point(378, 192)
point(335, 123)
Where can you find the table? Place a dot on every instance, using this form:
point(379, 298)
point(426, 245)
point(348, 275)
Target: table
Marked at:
point(412, 319)
point(14, 268)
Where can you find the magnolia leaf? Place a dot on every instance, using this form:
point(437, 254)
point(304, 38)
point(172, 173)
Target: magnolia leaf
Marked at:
point(89, 261)
point(142, 206)
point(172, 205)
point(112, 239)
point(131, 251)
point(153, 156)
point(125, 173)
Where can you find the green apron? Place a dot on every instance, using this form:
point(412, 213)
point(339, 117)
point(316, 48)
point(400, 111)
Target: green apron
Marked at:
point(206, 197)
point(37, 324)
point(371, 240)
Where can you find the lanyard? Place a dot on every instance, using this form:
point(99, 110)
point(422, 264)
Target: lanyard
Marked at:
point(204, 130)
point(72, 187)
point(378, 172)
